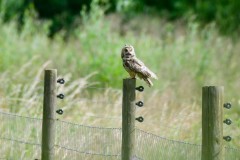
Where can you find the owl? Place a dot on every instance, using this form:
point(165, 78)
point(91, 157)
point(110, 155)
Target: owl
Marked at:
point(134, 66)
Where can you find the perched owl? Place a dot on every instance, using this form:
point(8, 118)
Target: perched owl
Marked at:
point(134, 66)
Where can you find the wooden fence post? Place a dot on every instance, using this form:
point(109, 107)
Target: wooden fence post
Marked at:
point(212, 123)
point(128, 119)
point(48, 127)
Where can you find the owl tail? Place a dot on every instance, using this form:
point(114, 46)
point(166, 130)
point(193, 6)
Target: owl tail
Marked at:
point(148, 81)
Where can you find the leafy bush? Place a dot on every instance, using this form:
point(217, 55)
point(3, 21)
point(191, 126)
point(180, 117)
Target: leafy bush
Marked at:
point(224, 12)
point(63, 13)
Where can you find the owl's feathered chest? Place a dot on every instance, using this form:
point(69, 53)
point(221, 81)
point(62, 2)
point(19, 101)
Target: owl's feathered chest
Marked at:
point(127, 63)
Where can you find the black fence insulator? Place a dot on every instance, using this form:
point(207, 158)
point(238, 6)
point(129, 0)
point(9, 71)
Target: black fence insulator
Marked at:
point(227, 121)
point(60, 111)
point(227, 138)
point(227, 105)
point(61, 96)
point(140, 119)
point(139, 103)
point(61, 81)
point(140, 88)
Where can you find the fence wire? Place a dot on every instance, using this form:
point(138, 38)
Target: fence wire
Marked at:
point(152, 147)
point(20, 139)
point(87, 142)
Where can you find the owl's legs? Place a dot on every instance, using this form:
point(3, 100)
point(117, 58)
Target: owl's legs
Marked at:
point(132, 75)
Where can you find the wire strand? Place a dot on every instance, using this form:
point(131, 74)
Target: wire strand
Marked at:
point(86, 152)
point(96, 141)
point(19, 141)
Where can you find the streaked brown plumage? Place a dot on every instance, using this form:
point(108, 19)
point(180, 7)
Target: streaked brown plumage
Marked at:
point(134, 66)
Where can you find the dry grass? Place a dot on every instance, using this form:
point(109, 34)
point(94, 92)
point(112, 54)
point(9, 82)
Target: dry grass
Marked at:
point(184, 56)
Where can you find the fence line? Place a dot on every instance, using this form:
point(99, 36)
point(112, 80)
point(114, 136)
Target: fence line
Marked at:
point(102, 117)
point(168, 139)
point(19, 141)
point(66, 140)
point(82, 152)
point(75, 141)
point(71, 123)
point(97, 116)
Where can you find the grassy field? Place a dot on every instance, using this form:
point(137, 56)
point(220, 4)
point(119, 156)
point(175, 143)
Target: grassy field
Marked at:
point(184, 55)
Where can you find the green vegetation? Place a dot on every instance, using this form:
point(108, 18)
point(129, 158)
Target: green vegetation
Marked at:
point(184, 54)
point(63, 13)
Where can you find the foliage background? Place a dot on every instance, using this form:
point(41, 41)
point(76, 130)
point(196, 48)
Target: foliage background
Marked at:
point(63, 12)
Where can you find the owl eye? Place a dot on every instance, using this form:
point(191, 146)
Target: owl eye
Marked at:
point(125, 50)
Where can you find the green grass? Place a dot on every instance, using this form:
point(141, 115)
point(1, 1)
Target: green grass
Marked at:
point(184, 55)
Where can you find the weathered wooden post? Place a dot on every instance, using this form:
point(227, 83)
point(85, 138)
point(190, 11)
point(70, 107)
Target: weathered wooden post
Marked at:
point(128, 119)
point(212, 123)
point(48, 127)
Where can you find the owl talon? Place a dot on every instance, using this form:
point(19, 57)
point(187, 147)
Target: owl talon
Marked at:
point(131, 78)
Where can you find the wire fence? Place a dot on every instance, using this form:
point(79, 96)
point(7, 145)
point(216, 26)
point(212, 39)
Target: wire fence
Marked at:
point(20, 138)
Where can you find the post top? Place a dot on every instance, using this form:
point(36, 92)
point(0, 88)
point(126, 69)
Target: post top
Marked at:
point(213, 87)
point(129, 78)
point(50, 69)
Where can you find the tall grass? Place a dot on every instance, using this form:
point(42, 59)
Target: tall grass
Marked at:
point(183, 55)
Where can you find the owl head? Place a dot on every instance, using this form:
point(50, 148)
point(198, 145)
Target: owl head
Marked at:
point(127, 51)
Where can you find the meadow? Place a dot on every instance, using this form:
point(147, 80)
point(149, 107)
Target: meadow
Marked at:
point(184, 55)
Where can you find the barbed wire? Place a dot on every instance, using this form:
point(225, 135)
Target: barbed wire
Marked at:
point(98, 154)
point(95, 116)
point(179, 129)
point(20, 141)
point(96, 127)
point(15, 115)
point(100, 117)
point(167, 138)
point(119, 118)
point(67, 134)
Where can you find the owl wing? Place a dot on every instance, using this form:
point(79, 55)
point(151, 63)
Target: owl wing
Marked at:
point(138, 66)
